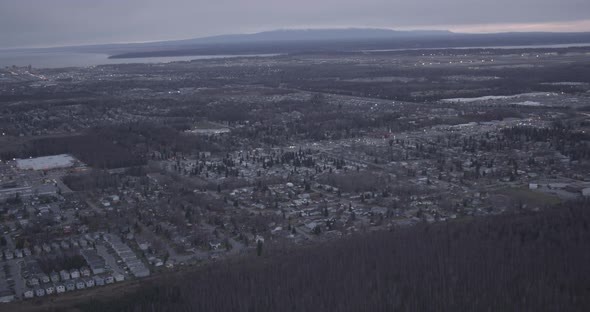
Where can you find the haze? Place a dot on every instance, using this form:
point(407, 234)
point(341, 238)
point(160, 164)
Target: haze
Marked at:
point(35, 23)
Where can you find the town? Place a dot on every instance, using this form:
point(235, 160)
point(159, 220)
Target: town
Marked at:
point(114, 173)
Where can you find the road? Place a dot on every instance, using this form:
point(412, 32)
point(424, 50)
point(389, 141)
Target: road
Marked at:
point(19, 282)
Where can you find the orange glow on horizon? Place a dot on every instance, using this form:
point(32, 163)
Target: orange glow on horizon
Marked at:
point(570, 26)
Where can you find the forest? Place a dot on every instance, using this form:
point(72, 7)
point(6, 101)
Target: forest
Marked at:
point(92, 149)
point(528, 262)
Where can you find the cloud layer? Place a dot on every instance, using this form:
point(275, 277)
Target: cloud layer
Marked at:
point(60, 22)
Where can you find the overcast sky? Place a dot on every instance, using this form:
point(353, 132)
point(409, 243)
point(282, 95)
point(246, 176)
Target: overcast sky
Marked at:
point(68, 22)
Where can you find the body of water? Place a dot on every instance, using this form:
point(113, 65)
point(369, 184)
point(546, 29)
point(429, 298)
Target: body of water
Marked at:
point(57, 59)
point(53, 59)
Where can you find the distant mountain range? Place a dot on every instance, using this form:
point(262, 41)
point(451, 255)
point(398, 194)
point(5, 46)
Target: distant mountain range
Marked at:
point(317, 34)
point(328, 40)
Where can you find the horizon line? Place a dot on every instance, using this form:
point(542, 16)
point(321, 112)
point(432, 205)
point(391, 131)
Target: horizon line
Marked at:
point(559, 27)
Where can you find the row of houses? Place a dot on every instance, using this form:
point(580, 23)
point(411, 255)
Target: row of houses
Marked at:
point(72, 284)
point(17, 253)
point(62, 245)
point(10, 254)
point(135, 265)
point(63, 275)
point(96, 262)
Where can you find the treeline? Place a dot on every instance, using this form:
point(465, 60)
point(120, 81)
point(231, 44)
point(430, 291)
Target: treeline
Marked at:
point(168, 140)
point(94, 179)
point(123, 145)
point(531, 262)
point(436, 86)
point(356, 181)
point(564, 138)
point(62, 261)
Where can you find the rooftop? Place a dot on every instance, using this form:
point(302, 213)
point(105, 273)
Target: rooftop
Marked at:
point(47, 162)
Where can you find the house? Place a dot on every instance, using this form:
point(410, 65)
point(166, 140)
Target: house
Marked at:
point(109, 279)
point(33, 281)
point(37, 249)
point(60, 288)
point(89, 282)
point(80, 284)
point(99, 280)
point(139, 270)
point(119, 277)
point(74, 273)
point(55, 246)
point(8, 254)
point(65, 275)
point(54, 277)
point(49, 289)
point(85, 271)
point(214, 245)
point(26, 252)
point(83, 228)
point(144, 246)
point(557, 186)
point(169, 264)
point(44, 278)
point(46, 247)
point(83, 243)
point(29, 293)
point(39, 291)
point(96, 263)
point(64, 244)
point(18, 253)
point(70, 285)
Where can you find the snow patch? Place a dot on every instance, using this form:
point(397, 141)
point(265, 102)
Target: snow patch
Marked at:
point(495, 97)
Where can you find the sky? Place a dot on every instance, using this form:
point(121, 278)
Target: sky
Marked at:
point(41, 23)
